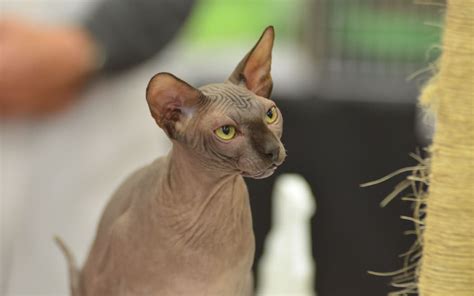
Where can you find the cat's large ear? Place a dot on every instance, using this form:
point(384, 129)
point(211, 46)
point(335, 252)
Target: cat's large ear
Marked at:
point(169, 99)
point(254, 69)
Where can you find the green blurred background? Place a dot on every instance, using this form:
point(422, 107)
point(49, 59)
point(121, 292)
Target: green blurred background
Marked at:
point(386, 30)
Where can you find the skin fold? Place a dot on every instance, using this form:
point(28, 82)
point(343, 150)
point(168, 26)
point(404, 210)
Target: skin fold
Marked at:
point(182, 225)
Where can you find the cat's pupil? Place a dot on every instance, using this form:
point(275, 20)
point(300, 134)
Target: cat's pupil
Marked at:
point(270, 113)
point(226, 129)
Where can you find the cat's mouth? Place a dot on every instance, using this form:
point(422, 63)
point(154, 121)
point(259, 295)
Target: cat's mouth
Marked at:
point(262, 174)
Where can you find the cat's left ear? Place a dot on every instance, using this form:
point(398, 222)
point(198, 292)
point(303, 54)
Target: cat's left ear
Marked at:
point(254, 69)
point(170, 100)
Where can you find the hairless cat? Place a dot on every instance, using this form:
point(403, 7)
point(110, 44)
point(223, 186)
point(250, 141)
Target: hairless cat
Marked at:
point(182, 225)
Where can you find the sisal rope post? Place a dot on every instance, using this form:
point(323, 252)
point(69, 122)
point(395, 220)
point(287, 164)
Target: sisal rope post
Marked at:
point(447, 262)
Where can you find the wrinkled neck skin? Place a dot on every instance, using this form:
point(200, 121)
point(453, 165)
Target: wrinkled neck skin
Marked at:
point(202, 205)
point(188, 175)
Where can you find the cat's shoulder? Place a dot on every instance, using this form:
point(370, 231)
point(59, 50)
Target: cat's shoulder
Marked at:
point(148, 173)
point(134, 186)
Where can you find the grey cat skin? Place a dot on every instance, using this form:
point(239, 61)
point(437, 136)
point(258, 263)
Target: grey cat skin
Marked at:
point(182, 225)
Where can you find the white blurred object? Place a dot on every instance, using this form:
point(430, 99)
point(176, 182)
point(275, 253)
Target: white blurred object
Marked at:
point(287, 266)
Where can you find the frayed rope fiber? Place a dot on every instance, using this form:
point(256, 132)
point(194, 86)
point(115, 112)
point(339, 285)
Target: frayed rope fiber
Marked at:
point(447, 262)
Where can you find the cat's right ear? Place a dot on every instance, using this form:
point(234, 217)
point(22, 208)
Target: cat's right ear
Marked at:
point(169, 99)
point(254, 69)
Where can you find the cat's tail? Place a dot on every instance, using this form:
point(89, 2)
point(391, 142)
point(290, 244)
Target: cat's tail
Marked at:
point(74, 272)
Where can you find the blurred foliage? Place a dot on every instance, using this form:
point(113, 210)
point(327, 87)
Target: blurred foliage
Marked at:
point(374, 30)
point(393, 32)
point(233, 21)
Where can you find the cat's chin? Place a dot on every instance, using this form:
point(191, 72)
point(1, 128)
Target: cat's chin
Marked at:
point(261, 175)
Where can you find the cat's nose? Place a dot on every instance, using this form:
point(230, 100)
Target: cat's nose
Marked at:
point(273, 152)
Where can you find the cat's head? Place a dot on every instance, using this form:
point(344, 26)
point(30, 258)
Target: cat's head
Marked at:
point(230, 126)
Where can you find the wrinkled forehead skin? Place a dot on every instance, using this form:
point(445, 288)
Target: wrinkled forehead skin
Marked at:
point(237, 102)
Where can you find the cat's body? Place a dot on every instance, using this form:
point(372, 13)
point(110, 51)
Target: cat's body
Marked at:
point(182, 225)
point(199, 244)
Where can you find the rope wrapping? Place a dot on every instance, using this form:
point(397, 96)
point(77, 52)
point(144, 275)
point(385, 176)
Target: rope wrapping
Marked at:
point(447, 262)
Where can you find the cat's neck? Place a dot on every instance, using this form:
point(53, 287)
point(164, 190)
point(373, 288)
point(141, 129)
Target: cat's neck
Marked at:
point(198, 200)
point(189, 176)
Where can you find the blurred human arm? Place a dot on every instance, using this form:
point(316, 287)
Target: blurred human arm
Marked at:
point(42, 68)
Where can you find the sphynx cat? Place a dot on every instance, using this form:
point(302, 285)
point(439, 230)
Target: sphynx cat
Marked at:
point(182, 225)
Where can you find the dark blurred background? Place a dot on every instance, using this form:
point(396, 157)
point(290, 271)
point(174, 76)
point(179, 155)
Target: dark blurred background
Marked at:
point(346, 78)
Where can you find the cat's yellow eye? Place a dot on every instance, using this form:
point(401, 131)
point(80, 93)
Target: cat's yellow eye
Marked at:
point(226, 132)
point(271, 115)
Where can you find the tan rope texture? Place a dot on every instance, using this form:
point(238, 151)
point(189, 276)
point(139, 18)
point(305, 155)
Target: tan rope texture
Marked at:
point(447, 262)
